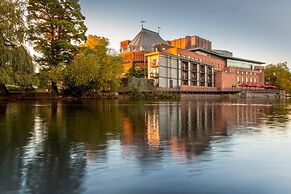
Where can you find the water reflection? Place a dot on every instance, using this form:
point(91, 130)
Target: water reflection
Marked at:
point(56, 147)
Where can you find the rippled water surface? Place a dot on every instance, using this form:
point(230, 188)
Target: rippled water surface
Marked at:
point(118, 147)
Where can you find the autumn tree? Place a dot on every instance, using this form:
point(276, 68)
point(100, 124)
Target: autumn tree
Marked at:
point(16, 65)
point(279, 75)
point(56, 27)
point(94, 68)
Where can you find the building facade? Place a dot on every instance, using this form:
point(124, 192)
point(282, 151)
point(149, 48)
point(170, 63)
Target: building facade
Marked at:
point(234, 71)
point(172, 70)
point(188, 61)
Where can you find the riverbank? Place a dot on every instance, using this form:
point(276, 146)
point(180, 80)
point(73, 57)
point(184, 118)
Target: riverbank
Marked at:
point(137, 94)
point(51, 96)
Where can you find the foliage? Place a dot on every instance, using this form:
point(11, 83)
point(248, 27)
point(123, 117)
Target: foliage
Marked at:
point(16, 65)
point(279, 75)
point(94, 67)
point(136, 93)
point(55, 26)
point(5, 72)
point(47, 75)
point(137, 72)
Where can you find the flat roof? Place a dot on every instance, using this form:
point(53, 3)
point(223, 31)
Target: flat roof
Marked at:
point(225, 57)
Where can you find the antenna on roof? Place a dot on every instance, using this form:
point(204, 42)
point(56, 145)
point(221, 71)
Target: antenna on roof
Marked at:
point(159, 28)
point(142, 22)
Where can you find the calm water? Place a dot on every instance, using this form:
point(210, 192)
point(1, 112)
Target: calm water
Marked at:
point(117, 147)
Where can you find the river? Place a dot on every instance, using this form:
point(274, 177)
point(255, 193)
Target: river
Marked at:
point(196, 145)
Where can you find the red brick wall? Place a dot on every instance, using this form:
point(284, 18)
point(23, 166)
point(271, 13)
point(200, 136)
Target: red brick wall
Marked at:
point(228, 77)
point(190, 42)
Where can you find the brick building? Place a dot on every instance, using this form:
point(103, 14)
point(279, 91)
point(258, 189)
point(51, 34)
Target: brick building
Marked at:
point(188, 61)
point(189, 42)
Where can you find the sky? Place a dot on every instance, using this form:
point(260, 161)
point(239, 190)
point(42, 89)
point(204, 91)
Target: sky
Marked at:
point(252, 29)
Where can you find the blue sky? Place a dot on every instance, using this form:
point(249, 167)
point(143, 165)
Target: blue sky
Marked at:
point(254, 29)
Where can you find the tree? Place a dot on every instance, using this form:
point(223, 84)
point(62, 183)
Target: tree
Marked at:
point(137, 72)
point(16, 65)
point(278, 75)
point(93, 68)
point(56, 26)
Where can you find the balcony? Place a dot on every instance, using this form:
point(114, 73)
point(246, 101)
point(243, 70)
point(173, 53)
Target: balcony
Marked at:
point(184, 78)
point(154, 75)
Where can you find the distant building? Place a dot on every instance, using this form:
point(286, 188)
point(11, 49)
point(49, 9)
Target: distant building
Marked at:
point(188, 61)
point(189, 42)
point(234, 71)
point(133, 52)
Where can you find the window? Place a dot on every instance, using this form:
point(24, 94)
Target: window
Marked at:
point(184, 75)
point(184, 66)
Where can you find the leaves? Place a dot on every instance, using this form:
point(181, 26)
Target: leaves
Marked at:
point(55, 28)
point(94, 68)
point(137, 73)
point(16, 65)
point(279, 75)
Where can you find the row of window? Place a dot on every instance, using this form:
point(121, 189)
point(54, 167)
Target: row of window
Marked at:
point(184, 67)
point(245, 72)
point(252, 80)
point(201, 60)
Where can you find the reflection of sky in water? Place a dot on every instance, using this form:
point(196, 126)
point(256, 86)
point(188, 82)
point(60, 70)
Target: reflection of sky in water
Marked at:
point(33, 149)
point(203, 146)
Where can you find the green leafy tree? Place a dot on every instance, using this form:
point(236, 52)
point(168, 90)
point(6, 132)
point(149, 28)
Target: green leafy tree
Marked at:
point(279, 75)
point(137, 72)
point(16, 65)
point(94, 68)
point(56, 26)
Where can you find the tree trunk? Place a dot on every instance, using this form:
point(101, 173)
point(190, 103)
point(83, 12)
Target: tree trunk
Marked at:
point(3, 90)
point(54, 88)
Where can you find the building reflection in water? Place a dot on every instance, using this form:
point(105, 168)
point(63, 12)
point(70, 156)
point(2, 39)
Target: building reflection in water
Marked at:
point(51, 145)
point(188, 127)
point(152, 128)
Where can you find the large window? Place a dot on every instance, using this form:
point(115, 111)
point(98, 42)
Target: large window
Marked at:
point(184, 66)
point(240, 64)
point(184, 75)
